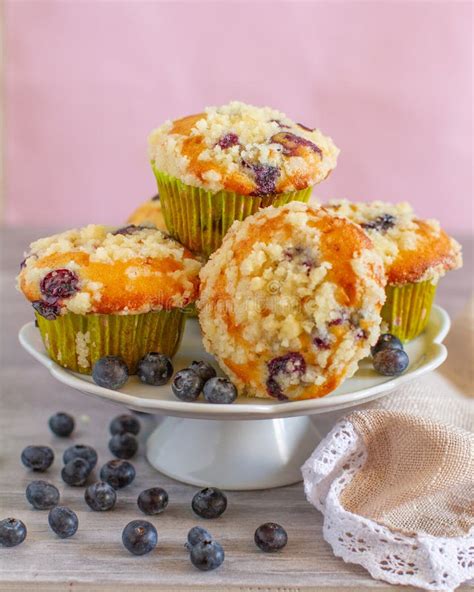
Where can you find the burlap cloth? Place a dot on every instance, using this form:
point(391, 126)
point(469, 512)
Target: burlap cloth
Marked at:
point(395, 481)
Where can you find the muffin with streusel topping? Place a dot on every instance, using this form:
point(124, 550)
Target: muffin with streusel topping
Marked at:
point(149, 213)
point(416, 254)
point(291, 302)
point(228, 162)
point(100, 291)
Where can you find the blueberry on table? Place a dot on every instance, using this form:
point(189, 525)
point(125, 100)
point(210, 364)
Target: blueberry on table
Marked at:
point(123, 424)
point(196, 535)
point(187, 385)
point(100, 496)
point(386, 341)
point(203, 369)
point(12, 532)
point(139, 537)
point(61, 424)
point(220, 391)
point(81, 451)
point(153, 501)
point(123, 445)
point(63, 521)
point(37, 458)
point(155, 369)
point(391, 362)
point(42, 495)
point(118, 473)
point(110, 372)
point(270, 537)
point(209, 503)
point(207, 555)
point(76, 472)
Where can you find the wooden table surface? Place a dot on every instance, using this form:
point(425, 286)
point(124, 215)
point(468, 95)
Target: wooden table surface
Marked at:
point(94, 559)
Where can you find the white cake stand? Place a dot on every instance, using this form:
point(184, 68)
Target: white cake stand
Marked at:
point(253, 443)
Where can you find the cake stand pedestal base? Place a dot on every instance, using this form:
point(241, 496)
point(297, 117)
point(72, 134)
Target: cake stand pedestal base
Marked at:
point(236, 455)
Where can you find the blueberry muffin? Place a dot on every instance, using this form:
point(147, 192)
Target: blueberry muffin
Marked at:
point(228, 162)
point(291, 302)
point(97, 291)
point(416, 254)
point(149, 213)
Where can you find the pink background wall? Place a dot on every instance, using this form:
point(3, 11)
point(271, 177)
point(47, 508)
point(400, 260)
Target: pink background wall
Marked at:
point(86, 82)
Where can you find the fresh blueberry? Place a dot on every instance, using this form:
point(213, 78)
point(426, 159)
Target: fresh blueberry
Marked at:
point(123, 445)
point(37, 458)
point(203, 369)
point(110, 372)
point(187, 385)
point(42, 495)
point(47, 310)
point(118, 473)
point(100, 496)
point(139, 537)
point(196, 535)
point(123, 424)
point(63, 521)
point(59, 283)
point(386, 341)
point(270, 537)
point(219, 390)
point(12, 532)
point(210, 502)
point(76, 472)
point(391, 362)
point(61, 424)
point(81, 451)
point(153, 501)
point(207, 555)
point(155, 369)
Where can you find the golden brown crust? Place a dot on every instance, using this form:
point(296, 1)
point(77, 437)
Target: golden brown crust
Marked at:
point(149, 213)
point(431, 253)
point(412, 250)
point(116, 274)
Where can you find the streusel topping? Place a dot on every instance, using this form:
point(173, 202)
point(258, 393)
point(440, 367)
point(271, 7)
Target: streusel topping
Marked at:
point(290, 302)
point(412, 250)
point(98, 269)
point(238, 147)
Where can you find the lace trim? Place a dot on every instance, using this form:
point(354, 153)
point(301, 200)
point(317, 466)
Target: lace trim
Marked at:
point(426, 561)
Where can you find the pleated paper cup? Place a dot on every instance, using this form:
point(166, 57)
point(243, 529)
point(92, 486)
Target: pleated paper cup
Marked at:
point(407, 309)
point(199, 219)
point(77, 341)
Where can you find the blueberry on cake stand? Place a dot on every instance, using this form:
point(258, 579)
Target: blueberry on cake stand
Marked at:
point(253, 443)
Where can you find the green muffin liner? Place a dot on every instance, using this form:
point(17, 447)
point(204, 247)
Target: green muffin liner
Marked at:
point(78, 341)
point(199, 219)
point(407, 308)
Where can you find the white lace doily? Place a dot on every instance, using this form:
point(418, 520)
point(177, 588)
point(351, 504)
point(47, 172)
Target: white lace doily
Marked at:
point(426, 561)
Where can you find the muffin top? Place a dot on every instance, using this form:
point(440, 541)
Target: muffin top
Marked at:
point(291, 301)
point(97, 269)
point(412, 250)
point(248, 150)
point(149, 213)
